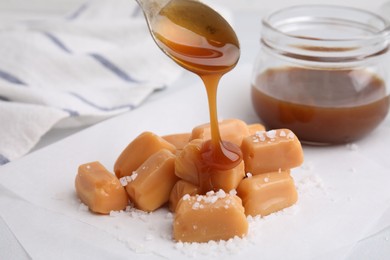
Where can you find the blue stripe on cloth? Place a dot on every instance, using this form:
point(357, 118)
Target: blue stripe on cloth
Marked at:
point(11, 78)
point(72, 113)
point(78, 11)
point(57, 42)
point(2, 98)
point(3, 160)
point(113, 68)
point(106, 109)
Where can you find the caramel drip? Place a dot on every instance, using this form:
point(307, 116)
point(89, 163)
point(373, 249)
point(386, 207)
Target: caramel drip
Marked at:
point(202, 41)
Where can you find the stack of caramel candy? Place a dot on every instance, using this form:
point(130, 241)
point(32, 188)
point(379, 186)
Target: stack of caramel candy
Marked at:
point(154, 171)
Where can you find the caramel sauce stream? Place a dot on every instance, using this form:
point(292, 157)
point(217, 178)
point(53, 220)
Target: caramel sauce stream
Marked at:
point(201, 41)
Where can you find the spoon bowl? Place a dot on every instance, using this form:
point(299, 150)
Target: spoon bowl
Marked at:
point(192, 34)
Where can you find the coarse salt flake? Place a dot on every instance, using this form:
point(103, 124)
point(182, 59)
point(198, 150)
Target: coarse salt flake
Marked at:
point(259, 133)
point(221, 194)
point(134, 176)
point(83, 207)
point(282, 133)
point(266, 179)
point(114, 213)
point(271, 134)
point(232, 192)
point(196, 205)
point(210, 193)
point(186, 197)
point(291, 135)
point(249, 175)
point(123, 181)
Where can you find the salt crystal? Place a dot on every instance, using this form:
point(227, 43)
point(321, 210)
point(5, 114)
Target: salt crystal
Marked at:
point(260, 133)
point(88, 166)
point(196, 205)
point(134, 176)
point(291, 135)
point(123, 181)
point(179, 245)
point(83, 207)
point(169, 215)
point(232, 192)
point(282, 133)
point(186, 197)
point(271, 134)
point(114, 213)
point(213, 199)
point(226, 206)
point(227, 201)
point(194, 227)
point(249, 175)
point(266, 179)
point(210, 193)
point(221, 193)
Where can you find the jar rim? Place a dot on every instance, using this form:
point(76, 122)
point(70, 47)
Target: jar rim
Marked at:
point(383, 32)
point(326, 33)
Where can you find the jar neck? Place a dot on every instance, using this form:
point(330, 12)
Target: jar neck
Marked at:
point(326, 34)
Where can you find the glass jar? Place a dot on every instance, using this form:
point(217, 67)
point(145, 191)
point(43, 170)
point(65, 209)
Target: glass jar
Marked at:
point(323, 72)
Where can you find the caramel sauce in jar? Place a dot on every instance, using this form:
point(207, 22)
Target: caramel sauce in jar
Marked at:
point(200, 40)
point(321, 106)
point(322, 72)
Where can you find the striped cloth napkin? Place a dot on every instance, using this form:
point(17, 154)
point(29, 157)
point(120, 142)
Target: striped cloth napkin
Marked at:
point(94, 63)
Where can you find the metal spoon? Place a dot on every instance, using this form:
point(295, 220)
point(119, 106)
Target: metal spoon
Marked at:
point(192, 34)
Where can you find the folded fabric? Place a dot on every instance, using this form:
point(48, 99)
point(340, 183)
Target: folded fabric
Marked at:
point(94, 63)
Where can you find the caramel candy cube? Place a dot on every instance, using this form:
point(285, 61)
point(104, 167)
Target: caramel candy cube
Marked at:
point(140, 149)
point(99, 189)
point(232, 130)
point(187, 163)
point(266, 193)
point(178, 140)
point(254, 128)
point(180, 189)
point(270, 151)
point(215, 216)
point(150, 185)
point(229, 179)
point(188, 167)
